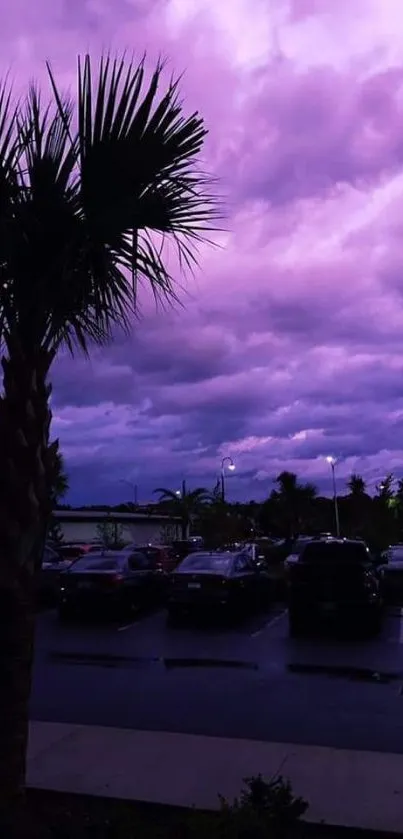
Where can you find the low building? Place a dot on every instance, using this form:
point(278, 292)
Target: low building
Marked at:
point(140, 527)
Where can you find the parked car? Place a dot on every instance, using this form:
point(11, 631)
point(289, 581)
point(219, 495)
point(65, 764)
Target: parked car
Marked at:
point(183, 547)
point(160, 556)
point(271, 554)
point(391, 573)
point(48, 578)
point(297, 547)
point(112, 582)
point(73, 550)
point(262, 548)
point(230, 582)
point(333, 580)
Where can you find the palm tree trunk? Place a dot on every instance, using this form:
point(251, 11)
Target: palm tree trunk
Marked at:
point(184, 528)
point(25, 466)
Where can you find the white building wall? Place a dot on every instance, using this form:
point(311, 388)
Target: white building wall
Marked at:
point(140, 532)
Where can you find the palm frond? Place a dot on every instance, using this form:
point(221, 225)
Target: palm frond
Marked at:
point(10, 151)
point(166, 494)
point(88, 203)
point(138, 160)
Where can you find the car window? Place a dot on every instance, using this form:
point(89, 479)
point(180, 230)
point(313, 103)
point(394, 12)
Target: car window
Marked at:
point(243, 563)
point(299, 545)
point(185, 547)
point(395, 555)
point(206, 562)
point(50, 555)
point(70, 552)
point(138, 561)
point(153, 554)
point(335, 552)
point(92, 563)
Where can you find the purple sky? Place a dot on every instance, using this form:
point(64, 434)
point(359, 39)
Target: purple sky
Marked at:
point(290, 346)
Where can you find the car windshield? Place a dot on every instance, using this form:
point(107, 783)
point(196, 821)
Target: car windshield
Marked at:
point(97, 563)
point(50, 555)
point(299, 545)
point(70, 551)
point(206, 562)
point(185, 546)
point(335, 552)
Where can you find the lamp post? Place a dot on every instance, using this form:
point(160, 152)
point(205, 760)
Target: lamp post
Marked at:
point(332, 463)
point(231, 467)
point(180, 493)
point(133, 487)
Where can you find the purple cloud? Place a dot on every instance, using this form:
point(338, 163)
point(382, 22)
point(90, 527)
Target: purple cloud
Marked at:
point(289, 344)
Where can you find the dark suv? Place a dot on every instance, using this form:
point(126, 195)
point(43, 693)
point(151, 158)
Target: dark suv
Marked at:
point(333, 580)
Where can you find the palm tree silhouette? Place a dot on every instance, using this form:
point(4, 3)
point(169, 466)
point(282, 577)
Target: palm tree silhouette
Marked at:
point(184, 504)
point(90, 191)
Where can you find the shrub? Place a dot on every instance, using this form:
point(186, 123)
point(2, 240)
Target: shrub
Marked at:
point(264, 809)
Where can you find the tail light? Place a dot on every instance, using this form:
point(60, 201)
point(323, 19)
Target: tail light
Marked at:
point(115, 578)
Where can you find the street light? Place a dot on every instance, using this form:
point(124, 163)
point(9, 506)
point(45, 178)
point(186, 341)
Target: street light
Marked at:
point(332, 463)
point(133, 488)
point(231, 467)
point(181, 493)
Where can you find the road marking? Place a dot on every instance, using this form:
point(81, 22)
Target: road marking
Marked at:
point(127, 626)
point(268, 625)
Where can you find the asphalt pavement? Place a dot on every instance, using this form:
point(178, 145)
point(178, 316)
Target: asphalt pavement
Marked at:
point(249, 681)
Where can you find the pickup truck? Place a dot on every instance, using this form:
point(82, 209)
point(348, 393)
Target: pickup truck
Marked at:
point(333, 580)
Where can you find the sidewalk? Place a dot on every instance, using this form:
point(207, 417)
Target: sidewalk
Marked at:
point(344, 788)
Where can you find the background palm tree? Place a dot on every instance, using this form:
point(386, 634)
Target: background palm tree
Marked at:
point(355, 507)
point(186, 505)
point(356, 485)
point(294, 502)
point(89, 192)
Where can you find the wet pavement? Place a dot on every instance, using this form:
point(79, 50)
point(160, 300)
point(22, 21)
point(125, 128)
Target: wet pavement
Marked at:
point(248, 681)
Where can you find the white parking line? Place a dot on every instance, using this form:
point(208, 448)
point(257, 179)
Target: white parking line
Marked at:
point(127, 626)
point(269, 624)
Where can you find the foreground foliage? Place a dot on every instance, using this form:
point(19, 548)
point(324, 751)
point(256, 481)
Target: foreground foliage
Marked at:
point(264, 809)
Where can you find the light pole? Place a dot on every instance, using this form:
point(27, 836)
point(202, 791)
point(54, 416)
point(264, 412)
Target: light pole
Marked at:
point(231, 467)
point(180, 493)
point(332, 463)
point(133, 487)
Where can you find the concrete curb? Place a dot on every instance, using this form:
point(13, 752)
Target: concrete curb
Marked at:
point(348, 789)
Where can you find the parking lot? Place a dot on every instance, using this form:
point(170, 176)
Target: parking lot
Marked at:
point(246, 681)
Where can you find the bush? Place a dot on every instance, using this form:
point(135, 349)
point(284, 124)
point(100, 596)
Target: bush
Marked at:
point(264, 809)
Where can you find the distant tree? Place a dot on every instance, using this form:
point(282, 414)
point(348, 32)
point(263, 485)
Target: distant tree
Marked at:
point(385, 488)
point(355, 507)
point(294, 502)
point(184, 504)
point(55, 532)
point(111, 535)
point(384, 520)
point(356, 485)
